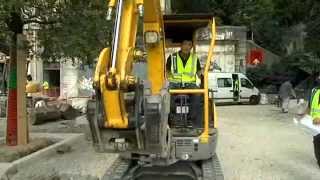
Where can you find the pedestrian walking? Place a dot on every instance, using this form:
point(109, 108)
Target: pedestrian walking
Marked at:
point(285, 93)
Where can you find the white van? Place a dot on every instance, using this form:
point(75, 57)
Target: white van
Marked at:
point(232, 88)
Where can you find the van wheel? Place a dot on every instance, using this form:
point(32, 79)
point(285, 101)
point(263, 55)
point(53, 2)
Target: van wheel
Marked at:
point(254, 100)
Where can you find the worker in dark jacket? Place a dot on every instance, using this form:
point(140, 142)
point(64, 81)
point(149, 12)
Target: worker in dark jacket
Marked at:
point(285, 92)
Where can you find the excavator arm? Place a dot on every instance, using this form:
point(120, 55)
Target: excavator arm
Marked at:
point(113, 75)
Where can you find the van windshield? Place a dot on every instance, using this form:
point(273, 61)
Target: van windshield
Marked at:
point(246, 83)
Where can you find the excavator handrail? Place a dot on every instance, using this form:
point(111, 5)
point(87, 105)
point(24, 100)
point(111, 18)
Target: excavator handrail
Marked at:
point(186, 91)
point(205, 135)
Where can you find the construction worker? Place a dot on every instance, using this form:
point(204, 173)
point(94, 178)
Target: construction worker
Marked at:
point(285, 92)
point(45, 85)
point(236, 89)
point(314, 107)
point(183, 68)
point(32, 87)
point(184, 72)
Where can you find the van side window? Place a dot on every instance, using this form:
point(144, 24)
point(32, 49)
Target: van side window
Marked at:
point(224, 82)
point(246, 83)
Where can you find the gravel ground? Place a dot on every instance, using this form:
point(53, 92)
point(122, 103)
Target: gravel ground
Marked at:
point(255, 143)
point(81, 163)
point(260, 143)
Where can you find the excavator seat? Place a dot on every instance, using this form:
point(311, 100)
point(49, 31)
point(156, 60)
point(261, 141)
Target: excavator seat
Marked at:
point(186, 111)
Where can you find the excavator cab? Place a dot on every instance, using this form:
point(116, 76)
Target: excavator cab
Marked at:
point(186, 109)
point(151, 125)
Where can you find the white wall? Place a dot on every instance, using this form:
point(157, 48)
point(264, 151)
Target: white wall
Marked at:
point(68, 80)
point(36, 70)
point(75, 80)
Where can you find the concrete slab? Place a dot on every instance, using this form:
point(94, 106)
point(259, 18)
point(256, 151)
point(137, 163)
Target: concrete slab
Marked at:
point(4, 168)
point(9, 169)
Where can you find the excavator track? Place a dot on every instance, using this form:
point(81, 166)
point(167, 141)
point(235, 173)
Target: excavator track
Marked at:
point(211, 169)
point(118, 170)
point(123, 170)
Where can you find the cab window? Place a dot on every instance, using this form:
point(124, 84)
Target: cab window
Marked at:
point(246, 83)
point(224, 82)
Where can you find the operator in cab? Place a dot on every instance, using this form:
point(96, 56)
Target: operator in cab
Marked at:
point(183, 71)
point(183, 68)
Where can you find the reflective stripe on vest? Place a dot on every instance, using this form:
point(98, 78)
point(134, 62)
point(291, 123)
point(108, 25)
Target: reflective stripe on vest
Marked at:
point(315, 104)
point(181, 73)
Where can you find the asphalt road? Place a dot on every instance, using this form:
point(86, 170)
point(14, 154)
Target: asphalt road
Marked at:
point(260, 143)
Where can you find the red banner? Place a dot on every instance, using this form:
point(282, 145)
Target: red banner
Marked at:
point(255, 57)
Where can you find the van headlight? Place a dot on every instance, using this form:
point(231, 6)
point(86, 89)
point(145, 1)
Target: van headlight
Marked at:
point(151, 37)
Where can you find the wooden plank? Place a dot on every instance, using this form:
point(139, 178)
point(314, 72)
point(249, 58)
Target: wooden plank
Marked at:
point(21, 95)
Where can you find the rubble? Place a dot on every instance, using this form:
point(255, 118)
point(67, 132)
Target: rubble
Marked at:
point(44, 114)
point(45, 111)
point(67, 111)
point(64, 149)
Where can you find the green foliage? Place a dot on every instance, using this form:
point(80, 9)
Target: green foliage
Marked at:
point(307, 62)
point(257, 74)
point(69, 28)
point(270, 20)
point(81, 32)
point(291, 12)
point(313, 30)
point(78, 29)
point(190, 6)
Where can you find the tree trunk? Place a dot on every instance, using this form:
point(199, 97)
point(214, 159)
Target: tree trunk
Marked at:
point(12, 135)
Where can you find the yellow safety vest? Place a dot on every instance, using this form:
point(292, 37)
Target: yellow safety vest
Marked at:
point(45, 85)
point(183, 74)
point(236, 85)
point(315, 104)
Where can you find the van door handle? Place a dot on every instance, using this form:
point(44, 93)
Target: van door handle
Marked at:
point(231, 90)
point(215, 91)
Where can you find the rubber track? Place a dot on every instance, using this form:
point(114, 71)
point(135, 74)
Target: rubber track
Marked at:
point(118, 170)
point(212, 170)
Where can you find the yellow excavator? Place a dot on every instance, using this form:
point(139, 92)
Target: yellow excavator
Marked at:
point(142, 119)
